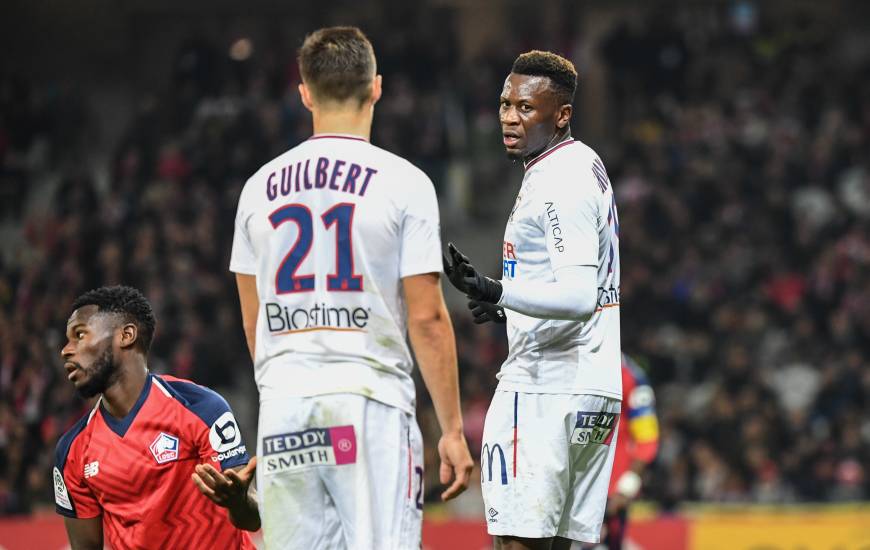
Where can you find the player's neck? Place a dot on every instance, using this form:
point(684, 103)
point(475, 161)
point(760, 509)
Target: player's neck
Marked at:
point(119, 398)
point(349, 122)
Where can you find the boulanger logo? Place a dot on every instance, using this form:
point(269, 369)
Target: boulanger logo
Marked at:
point(164, 448)
point(313, 447)
point(224, 433)
point(61, 495)
point(220, 457)
point(280, 319)
point(594, 428)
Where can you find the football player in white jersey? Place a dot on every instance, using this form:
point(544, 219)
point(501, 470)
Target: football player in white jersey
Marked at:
point(549, 437)
point(337, 256)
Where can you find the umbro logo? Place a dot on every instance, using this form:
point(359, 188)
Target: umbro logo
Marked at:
point(492, 513)
point(92, 469)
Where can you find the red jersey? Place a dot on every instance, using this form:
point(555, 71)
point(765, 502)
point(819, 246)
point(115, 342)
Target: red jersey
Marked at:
point(638, 427)
point(136, 471)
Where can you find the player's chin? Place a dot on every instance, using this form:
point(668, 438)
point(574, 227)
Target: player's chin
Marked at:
point(514, 153)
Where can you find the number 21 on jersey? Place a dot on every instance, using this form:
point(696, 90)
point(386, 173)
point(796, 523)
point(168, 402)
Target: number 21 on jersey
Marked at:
point(287, 279)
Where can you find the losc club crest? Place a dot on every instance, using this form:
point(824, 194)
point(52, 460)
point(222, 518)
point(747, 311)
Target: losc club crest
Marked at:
point(165, 448)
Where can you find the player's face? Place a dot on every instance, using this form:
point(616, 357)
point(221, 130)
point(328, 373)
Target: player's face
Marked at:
point(529, 112)
point(88, 355)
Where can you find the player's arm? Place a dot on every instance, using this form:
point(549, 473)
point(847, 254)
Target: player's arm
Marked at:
point(572, 296)
point(243, 262)
point(73, 498)
point(431, 335)
point(231, 490)
point(250, 304)
point(84, 534)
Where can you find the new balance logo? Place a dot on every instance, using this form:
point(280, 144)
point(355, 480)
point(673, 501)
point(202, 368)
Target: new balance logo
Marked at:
point(92, 469)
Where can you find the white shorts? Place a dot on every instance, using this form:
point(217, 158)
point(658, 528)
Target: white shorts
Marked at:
point(545, 464)
point(339, 471)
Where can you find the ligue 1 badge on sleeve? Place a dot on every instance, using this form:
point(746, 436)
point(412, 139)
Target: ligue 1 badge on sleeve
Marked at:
point(164, 448)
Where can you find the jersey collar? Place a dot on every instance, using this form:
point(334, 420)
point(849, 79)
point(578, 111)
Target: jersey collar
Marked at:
point(567, 141)
point(338, 136)
point(121, 425)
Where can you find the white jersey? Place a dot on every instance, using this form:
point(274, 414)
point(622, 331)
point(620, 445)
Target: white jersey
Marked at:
point(564, 215)
point(330, 228)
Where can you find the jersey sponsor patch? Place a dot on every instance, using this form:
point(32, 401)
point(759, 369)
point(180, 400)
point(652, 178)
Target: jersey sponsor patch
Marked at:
point(595, 428)
point(313, 447)
point(509, 260)
point(61, 495)
point(164, 448)
point(224, 434)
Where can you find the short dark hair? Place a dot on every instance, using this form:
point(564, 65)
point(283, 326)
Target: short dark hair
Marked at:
point(338, 64)
point(559, 70)
point(124, 300)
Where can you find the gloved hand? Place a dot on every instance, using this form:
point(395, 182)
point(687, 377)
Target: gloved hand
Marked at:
point(467, 280)
point(484, 312)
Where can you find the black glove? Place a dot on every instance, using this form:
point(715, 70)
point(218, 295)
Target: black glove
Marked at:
point(484, 312)
point(467, 280)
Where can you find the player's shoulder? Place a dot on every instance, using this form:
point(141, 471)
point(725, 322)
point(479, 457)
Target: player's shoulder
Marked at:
point(571, 153)
point(409, 172)
point(259, 177)
point(69, 437)
point(561, 165)
point(204, 402)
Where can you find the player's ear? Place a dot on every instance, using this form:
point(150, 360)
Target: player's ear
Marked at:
point(377, 88)
point(129, 335)
point(305, 94)
point(563, 117)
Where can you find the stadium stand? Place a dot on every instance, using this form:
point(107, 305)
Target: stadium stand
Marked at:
point(737, 145)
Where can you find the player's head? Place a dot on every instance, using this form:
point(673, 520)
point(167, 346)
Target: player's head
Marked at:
point(106, 323)
point(338, 70)
point(535, 105)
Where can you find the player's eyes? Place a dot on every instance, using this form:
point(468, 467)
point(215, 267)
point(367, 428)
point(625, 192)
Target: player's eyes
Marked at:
point(525, 107)
point(80, 334)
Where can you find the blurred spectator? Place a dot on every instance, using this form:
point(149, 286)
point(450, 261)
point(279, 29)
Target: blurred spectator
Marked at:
point(738, 150)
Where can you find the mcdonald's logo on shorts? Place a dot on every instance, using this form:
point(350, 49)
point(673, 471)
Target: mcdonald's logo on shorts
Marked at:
point(489, 451)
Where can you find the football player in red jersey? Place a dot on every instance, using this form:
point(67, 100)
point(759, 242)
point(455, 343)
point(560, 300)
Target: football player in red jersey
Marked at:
point(636, 447)
point(122, 472)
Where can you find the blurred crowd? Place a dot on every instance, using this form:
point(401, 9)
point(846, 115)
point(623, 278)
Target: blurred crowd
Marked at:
point(738, 147)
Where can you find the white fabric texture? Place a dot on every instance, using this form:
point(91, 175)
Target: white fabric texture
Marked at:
point(322, 504)
point(330, 228)
point(564, 216)
point(571, 297)
point(544, 467)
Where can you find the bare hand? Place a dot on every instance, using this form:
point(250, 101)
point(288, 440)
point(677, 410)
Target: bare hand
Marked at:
point(456, 464)
point(227, 489)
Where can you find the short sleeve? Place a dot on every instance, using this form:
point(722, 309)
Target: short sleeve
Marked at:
point(216, 431)
point(569, 214)
point(421, 231)
point(72, 497)
point(243, 258)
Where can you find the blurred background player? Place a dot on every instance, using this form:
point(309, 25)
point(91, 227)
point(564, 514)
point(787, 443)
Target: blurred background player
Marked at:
point(548, 436)
point(122, 473)
point(636, 448)
point(337, 258)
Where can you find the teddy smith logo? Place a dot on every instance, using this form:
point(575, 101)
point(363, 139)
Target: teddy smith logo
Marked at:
point(282, 320)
